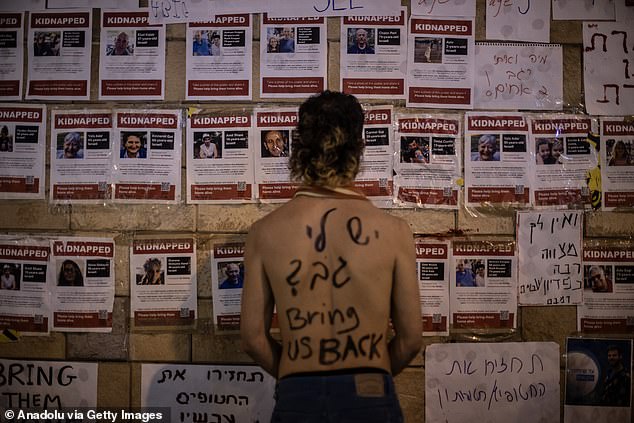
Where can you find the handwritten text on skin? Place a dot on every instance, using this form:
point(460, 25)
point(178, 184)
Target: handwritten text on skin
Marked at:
point(334, 349)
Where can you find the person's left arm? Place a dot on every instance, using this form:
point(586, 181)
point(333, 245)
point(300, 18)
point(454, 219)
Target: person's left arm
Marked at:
point(257, 310)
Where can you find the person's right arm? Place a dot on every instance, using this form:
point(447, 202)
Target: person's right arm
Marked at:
point(257, 310)
point(405, 304)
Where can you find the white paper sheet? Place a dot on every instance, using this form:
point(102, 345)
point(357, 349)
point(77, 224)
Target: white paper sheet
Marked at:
point(292, 57)
point(163, 283)
point(12, 53)
point(608, 89)
point(373, 56)
point(608, 296)
point(59, 53)
point(25, 300)
point(497, 382)
point(527, 21)
point(23, 132)
point(220, 158)
point(617, 163)
point(323, 8)
point(496, 159)
point(584, 10)
point(226, 393)
point(218, 64)
point(131, 57)
point(483, 287)
point(81, 156)
point(81, 274)
point(549, 244)
point(432, 271)
point(440, 62)
point(462, 8)
point(563, 154)
point(273, 132)
point(511, 76)
point(375, 177)
point(428, 160)
point(227, 279)
point(147, 157)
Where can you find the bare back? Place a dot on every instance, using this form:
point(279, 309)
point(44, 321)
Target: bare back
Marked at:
point(333, 264)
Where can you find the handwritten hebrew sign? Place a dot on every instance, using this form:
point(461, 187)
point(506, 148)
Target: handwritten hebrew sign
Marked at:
point(518, 76)
point(550, 248)
point(177, 11)
point(518, 20)
point(461, 8)
point(213, 394)
point(104, 4)
point(47, 385)
point(609, 90)
point(583, 10)
point(312, 8)
point(497, 382)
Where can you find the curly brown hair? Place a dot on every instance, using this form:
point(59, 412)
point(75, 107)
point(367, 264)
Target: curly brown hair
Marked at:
point(329, 145)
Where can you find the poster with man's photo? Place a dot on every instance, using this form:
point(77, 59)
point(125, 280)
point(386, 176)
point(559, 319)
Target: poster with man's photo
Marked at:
point(12, 53)
point(617, 163)
point(292, 57)
point(81, 275)
point(496, 159)
point(59, 50)
point(227, 279)
point(218, 58)
point(81, 156)
point(147, 156)
point(608, 288)
point(273, 132)
point(24, 290)
point(564, 150)
point(22, 151)
point(598, 380)
point(219, 158)
point(163, 284)
point(428, 160)
point(131, 57)
point(373, 56)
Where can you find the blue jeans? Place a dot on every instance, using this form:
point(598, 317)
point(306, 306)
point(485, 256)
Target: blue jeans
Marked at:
point(341, 398)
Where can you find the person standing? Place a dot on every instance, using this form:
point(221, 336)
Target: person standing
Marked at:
point(330, 253)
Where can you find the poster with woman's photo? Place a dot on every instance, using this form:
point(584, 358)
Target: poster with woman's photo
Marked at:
point(292, 57)
point(131, 57)
point(483, 287)
point(496, 159)
point(59, 50)
point(598, 380)
point(617, 163)
point(227, 279)
point(12, 53)
point(163, 284)
point(22, 150)
point(608, 294)
point(564, 151)
point(81, 275)
point(273, 132)
point(81, 156)
point(218, 58)
point(147, 156)
point(24, 291)
point(428, 160)
point(373, 56)
point(219, 158)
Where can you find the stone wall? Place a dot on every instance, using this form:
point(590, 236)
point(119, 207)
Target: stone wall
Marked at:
point(120, 353)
